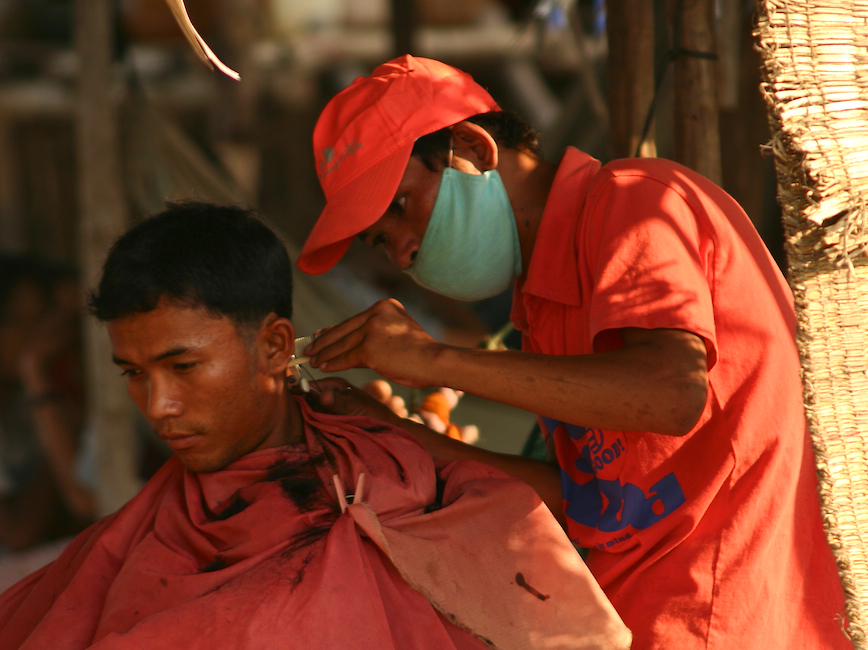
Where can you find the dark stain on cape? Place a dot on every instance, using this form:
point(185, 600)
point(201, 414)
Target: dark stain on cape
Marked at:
point(521, 582)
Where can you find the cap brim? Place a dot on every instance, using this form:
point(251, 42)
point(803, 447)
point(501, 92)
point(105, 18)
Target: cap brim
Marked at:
point(356, 206)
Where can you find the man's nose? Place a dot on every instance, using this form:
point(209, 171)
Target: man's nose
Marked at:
point(162, 402)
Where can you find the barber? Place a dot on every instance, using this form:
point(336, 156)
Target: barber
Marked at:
point(657, 348)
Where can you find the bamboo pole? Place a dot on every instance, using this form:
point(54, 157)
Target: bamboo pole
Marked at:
point(102, 217)
point(630, 33)
point(697, 135)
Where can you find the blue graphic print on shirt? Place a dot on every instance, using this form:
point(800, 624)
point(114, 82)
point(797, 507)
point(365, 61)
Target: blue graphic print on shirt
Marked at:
point(607, 504)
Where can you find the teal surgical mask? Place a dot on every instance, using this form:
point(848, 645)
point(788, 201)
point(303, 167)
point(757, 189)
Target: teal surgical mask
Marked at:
point(470, 250)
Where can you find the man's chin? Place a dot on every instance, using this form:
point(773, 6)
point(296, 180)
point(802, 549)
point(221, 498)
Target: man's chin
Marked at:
point(200, 465)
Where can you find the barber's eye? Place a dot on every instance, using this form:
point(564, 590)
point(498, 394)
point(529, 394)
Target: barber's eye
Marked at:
point(398, 204)
point(380, 240)
point(130, 372)
point(184, 366)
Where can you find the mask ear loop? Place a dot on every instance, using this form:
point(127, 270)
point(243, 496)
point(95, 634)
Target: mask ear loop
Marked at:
point(450, 150)
point(312, 378)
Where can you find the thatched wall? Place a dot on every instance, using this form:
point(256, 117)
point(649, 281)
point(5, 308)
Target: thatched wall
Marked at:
point(815, 55)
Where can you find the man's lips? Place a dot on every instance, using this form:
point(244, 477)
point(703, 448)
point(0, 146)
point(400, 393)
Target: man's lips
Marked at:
point(179, 441)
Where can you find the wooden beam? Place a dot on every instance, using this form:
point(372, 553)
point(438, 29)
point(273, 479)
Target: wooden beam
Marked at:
point(630, 33)
point(697, 136)
point(102, 217)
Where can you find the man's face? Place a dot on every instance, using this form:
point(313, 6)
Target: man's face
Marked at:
point(201, 385)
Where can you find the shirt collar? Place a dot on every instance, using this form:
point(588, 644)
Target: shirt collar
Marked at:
point(553, 272)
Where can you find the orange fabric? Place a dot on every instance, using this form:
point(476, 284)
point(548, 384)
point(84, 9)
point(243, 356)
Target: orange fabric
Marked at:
point(712, 540)
point(453, 431)
point(259, 555)
point(437, 404)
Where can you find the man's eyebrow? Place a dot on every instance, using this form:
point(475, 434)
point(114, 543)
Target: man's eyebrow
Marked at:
point(173, 352)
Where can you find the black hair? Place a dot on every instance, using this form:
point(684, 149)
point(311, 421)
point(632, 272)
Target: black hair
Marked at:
point(222, 258)
point(507, 129)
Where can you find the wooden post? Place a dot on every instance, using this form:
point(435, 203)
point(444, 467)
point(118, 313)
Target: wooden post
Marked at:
point(103, 216)
point(729, 39)
point(13, 232)
point(405, 20)
point(630, 32)
point(697, 136)
point(748, 175)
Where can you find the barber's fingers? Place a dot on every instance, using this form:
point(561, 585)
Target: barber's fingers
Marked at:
point(384, 338)
point(344, 353)
point(380, 312)
point(328, 335)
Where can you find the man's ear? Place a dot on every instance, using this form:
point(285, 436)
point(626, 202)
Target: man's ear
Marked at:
point(277, 340)
point(473, 143)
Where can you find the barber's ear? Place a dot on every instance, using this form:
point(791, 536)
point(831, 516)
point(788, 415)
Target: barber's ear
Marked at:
point(277, 335)
point(475, 144)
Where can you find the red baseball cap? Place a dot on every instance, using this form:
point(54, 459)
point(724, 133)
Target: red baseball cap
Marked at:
point(363, 140)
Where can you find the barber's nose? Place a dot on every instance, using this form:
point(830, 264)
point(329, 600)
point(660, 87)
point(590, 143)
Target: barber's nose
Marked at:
point(162, 403)
point(404, 253)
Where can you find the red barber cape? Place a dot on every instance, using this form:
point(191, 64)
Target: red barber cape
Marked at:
point(264, 555)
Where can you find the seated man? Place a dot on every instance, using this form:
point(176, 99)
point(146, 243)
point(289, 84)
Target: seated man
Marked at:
point(248, 537)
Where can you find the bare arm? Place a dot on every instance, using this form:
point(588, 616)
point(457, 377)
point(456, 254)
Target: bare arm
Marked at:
point(56, 429)
point(658, 382)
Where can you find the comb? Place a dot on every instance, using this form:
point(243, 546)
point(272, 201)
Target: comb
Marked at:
point(298, 357)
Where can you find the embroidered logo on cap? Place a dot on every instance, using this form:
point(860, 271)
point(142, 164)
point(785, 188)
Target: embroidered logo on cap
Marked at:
point(331, 161)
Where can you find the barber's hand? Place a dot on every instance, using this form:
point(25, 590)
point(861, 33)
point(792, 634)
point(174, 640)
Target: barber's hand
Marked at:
point(384, 338)
point(338, 397)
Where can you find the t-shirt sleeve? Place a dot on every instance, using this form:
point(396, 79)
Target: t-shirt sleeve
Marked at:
point(649, 260)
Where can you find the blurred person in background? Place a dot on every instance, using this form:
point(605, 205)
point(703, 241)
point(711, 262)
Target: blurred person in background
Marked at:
point(41, 405)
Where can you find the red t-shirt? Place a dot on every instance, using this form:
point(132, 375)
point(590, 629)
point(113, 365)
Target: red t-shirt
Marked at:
point(713, 539)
